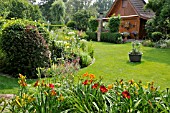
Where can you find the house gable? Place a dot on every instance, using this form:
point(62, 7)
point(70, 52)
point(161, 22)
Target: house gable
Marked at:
point(130, 7)
point(122, 7)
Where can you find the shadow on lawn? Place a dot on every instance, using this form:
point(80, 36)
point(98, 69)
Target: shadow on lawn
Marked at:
point(134, 63)
point(157, 55)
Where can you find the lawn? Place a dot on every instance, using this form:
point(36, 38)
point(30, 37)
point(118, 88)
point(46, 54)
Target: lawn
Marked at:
point(111, 62)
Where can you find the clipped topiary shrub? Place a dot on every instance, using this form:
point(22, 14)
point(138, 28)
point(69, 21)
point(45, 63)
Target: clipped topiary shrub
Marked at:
point(93, 24)
point(114, 23)
point(25, 48)
point(156, 36)
point(111, 37)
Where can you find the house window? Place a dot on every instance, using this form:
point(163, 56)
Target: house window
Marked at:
point(124, 3)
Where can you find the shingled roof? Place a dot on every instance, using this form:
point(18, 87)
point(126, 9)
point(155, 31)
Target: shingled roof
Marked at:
point(139, 7)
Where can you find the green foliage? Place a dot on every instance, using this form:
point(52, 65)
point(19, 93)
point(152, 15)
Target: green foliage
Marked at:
point(81, 18)
point(114, 23)
point(111, 37)
point(21, 9)
point(85, 59)
point(71, 24)
point(93, 24)
point(25, 47)
point(148, 43)
point(161, 21)
point(136, 50)
point(156, 36)
point(57, 12)
point(91, 36)
point(88, 95)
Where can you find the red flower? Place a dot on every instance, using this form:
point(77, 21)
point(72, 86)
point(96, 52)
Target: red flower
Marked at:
point(95, 86)
point(85, 82)
point(126, 94)
point(36, 84)
point(51, 86)
point(103, 89)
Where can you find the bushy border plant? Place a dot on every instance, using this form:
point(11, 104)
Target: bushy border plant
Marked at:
point(25, 47)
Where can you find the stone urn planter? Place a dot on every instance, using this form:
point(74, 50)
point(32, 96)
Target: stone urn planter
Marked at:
point(135, 55)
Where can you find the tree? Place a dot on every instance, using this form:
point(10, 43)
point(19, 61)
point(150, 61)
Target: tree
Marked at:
point(81, 18)
point(57, 12)
point(103, 5)
point(19, 9)
point(161, 21)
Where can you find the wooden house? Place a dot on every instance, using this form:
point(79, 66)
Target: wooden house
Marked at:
point(133, 16)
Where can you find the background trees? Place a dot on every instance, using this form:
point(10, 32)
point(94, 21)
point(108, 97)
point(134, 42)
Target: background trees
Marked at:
point(161, 21)
point(19, 9)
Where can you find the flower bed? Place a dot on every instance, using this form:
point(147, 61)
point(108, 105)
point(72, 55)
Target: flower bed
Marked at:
point(88, 95)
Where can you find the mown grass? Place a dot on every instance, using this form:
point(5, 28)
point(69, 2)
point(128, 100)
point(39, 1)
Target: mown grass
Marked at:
point(112, 63)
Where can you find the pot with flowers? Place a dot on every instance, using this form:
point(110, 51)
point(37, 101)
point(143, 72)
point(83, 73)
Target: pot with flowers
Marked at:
point(135, 55)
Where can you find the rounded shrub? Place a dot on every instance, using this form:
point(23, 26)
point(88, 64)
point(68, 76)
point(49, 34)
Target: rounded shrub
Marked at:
point(85, 59)
point(156, 36)
point(25, 48)
point(71, 24)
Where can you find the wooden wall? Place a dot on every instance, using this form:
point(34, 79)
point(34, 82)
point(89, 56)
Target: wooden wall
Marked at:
point(130, 25)
point(123, 11)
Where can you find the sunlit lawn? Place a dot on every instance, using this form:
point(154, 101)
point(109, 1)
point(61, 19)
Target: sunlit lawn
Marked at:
point(111, 62)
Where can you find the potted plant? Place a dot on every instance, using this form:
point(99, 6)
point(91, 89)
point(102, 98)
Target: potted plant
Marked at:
point(125, 35)
point(135, 55)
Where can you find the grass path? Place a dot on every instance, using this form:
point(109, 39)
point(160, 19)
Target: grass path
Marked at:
point(111, 62)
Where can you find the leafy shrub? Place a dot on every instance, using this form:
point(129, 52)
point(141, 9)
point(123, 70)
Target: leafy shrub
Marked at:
point(91, 36)
point(93, 24)
point(24, 47)
point(156, 36)
point(71, 24)
point(148, 43)
point(85, 59)
point(111, 37)
point(114, 23)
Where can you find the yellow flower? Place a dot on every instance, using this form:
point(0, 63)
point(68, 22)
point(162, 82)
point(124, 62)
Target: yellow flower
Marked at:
point(17, 101)
point(30, 99)
point(136, 85)
point(110, 86)
point(61, 98)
